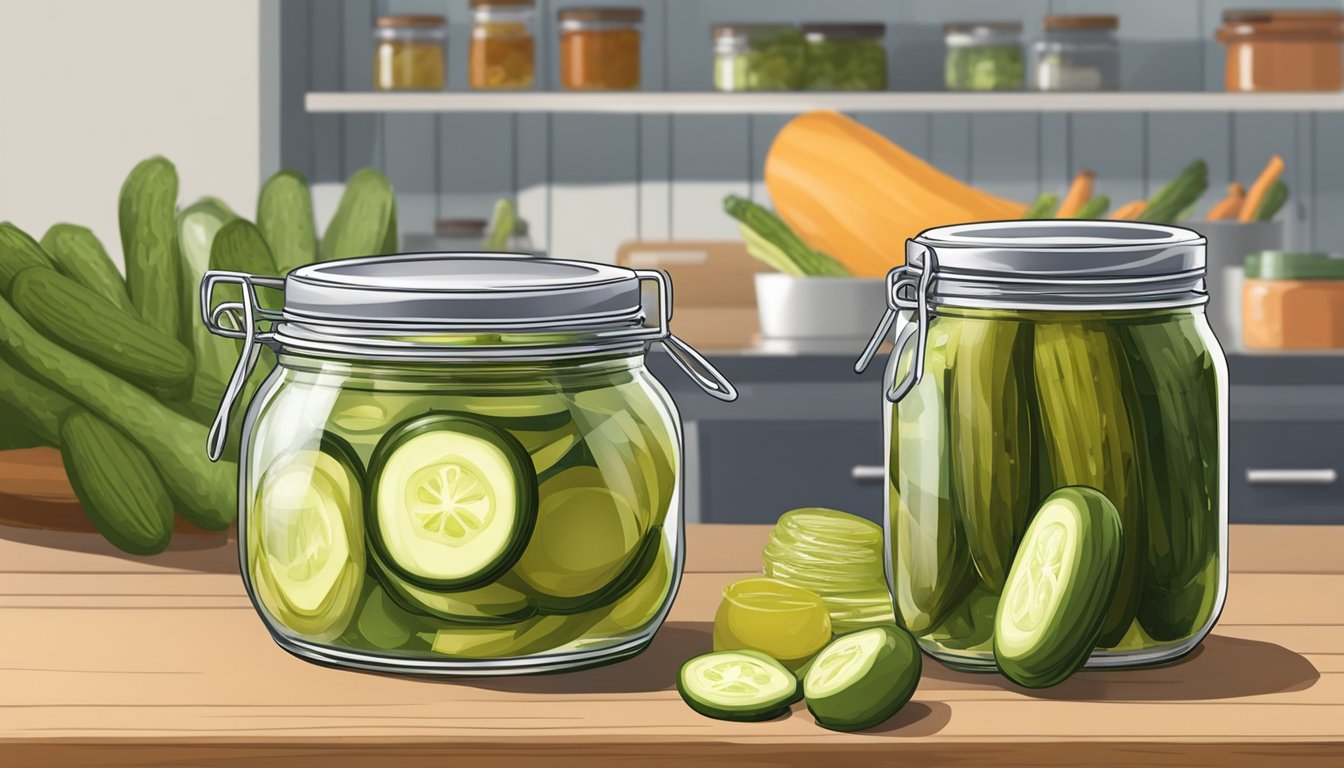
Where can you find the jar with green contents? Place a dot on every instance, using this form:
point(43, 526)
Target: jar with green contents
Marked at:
point(845, 57)
point(460, 464)
point(983, 56)
point(1032, 357)
point(758, 57)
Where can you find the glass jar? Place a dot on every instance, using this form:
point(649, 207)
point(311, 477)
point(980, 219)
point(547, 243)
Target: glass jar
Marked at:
point(845, 57)
point(1283, 50)
point(460, 464)
point(1033, 356)
point(1078, 53)
point(758, 57)
point(467, 235)
point(1293, 301)
point(983, 56)
point(502, 45)
point(408, 53)
point(600, 48)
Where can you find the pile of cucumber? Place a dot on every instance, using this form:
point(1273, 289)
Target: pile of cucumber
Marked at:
point(769, 239)
point(121, 374)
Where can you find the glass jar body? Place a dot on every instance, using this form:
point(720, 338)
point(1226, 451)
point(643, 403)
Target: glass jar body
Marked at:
point(1013, 405)
point(983, 62)
point(1077, 60)
point(599, 56)
point(502, 48)
point(845, 63)
point(762, 59)
point(409, 58)
point(1287, 51)
point(596, 512)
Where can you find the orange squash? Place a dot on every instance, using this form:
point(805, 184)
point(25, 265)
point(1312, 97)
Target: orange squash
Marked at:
point(852, 194)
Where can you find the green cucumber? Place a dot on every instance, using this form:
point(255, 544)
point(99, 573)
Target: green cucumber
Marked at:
point(502, 223)
point(493, 603)
point(1178, 194)
point(1059, 590)
point(1094, 208)
point(785, 250)
point(41, 408)
point(117, 485)
point(863, 678)
point(215, 356)
point(452, 501)
point(147, 212)
point(365, 223)
point(18, 252)
point(381, 624)
point(78, 253)
point(99, 331)
point(1043, 207)
point(239, 247)
point(206, 491)
point(285, 218)
point(17, 432)
point(741, 685)
point(1275, 197)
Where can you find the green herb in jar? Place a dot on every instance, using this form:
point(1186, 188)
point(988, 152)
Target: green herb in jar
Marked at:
point(845, 57)
point(987, 68)
point(758, 59)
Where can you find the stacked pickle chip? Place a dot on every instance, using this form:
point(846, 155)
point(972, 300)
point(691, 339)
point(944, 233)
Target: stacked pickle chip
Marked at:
point(837, 556)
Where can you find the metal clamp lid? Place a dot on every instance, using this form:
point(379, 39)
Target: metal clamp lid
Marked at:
point(917, 329)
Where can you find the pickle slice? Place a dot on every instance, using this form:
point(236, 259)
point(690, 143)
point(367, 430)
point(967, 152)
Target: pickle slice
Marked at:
point(536, 635)
point(863, 678)
point(737, 685)
point(1059, 589)
point(785, 622)
point(642, 604)
point(493, 603)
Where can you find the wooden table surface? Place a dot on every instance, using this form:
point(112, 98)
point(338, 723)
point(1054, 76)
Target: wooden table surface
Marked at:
point(162, 662)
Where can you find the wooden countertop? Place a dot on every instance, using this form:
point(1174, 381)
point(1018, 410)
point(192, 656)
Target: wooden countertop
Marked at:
point(110, 661)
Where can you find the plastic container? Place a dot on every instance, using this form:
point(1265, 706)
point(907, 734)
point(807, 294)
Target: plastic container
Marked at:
point(600, 48)
point(1293, 301)
point(845, 57)
point(1031, 356)
point(460, 464)
point(1077, 53)
point(408, 53)
point(758, 57)
point(1271, 50)
point(983, 56)
point(502, 45)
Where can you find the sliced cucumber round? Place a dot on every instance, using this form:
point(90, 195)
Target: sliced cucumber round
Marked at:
point(452, 501)
point(642, 604)
point(863, 678)
point(1059, 588)
point(492, 603)
point(306, 541)
point(537, 412)
point(536, 635)
point(737, 685)
point(609, 593)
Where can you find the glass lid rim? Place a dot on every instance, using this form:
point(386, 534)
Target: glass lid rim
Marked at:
point(313, 274)
point(950, 237)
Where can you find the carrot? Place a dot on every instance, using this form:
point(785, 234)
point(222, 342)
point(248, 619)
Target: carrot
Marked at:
point(1080, 191)
point(1131, 210)
point(1229, 206)
point(1256, 195)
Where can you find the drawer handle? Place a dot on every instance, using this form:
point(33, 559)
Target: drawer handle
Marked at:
point(865, 473)
point(1291, 476)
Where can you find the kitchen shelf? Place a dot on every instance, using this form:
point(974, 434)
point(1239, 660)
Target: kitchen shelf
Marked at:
point(650, 102)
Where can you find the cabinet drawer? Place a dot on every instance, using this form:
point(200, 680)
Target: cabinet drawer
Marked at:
point(752, 471)
point(1286, 472)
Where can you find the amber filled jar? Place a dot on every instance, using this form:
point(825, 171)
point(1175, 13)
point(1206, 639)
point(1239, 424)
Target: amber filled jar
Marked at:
point(1293, 301)
point(502, 45)
point(1283, 50)
point(599, 48)
point(408, 53)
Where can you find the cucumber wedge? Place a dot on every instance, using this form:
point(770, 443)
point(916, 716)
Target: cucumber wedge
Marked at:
point(863, 678)
point(1059, 589)
point(737, 685)
point(452, 501)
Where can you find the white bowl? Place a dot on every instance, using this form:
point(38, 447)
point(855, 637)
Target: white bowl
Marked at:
point(831, 309)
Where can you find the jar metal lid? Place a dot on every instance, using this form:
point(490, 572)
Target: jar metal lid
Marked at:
point(748, 29)
point(411, 20)
point(1081, 21)
point(845, 30)
point(601, 14)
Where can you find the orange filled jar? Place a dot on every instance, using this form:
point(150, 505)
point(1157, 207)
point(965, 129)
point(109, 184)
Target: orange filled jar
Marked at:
point(502, 45)
point(1293, 301)
point(1283, 50)
point(600, 48)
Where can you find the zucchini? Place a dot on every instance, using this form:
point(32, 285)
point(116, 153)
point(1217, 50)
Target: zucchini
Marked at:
point(782, 249)
point(365, 223)
point(215, 356)
point(117, 485)
point(863, 678)
point(1166, 206)
point(1043, 207)
point(78, 253)
point(502, 223)
point(737, 685)
point(84, 322)
point(147, 212)
point(1094, 208)
point(1274, 200)
point(206, 491)
point(18, 252)
point(285, 218)
point(1059, 590)
point(41, 408)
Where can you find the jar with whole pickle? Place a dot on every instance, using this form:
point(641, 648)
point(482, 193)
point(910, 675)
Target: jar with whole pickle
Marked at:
point(1034, 357)
point(983, 56)
point(758, 57)
point(502, 45)
point(1283, 50)
point(408, 53)
point(600, 48)
point(1077, 53)
point(845, 57)
point(460, 464)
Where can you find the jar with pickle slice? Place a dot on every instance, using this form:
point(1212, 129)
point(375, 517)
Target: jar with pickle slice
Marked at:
point(502, 45)
point(409, 53)
point(460, 464)
point(1032, 357)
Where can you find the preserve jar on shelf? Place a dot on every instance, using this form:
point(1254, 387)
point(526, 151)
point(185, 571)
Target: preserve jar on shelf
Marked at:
point(845, 57)
point(460, 464)
point(408, 53)
point(1033, 357)
point(983, 56)
point(502, 45)
point(600, 48)
point(1283, 50)
point(1077, 53)
point(1293, 301)
point(758, 57)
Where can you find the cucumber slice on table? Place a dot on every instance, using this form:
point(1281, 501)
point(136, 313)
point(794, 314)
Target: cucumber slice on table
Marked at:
point(309, 551)
point(452, 503)
point(861, 679)
point(1059, 588)
point(737, 685)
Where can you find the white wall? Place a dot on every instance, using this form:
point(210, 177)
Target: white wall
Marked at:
point(88, 88)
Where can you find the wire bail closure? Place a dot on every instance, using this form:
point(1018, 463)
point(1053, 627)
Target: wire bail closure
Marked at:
point(899, 281)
